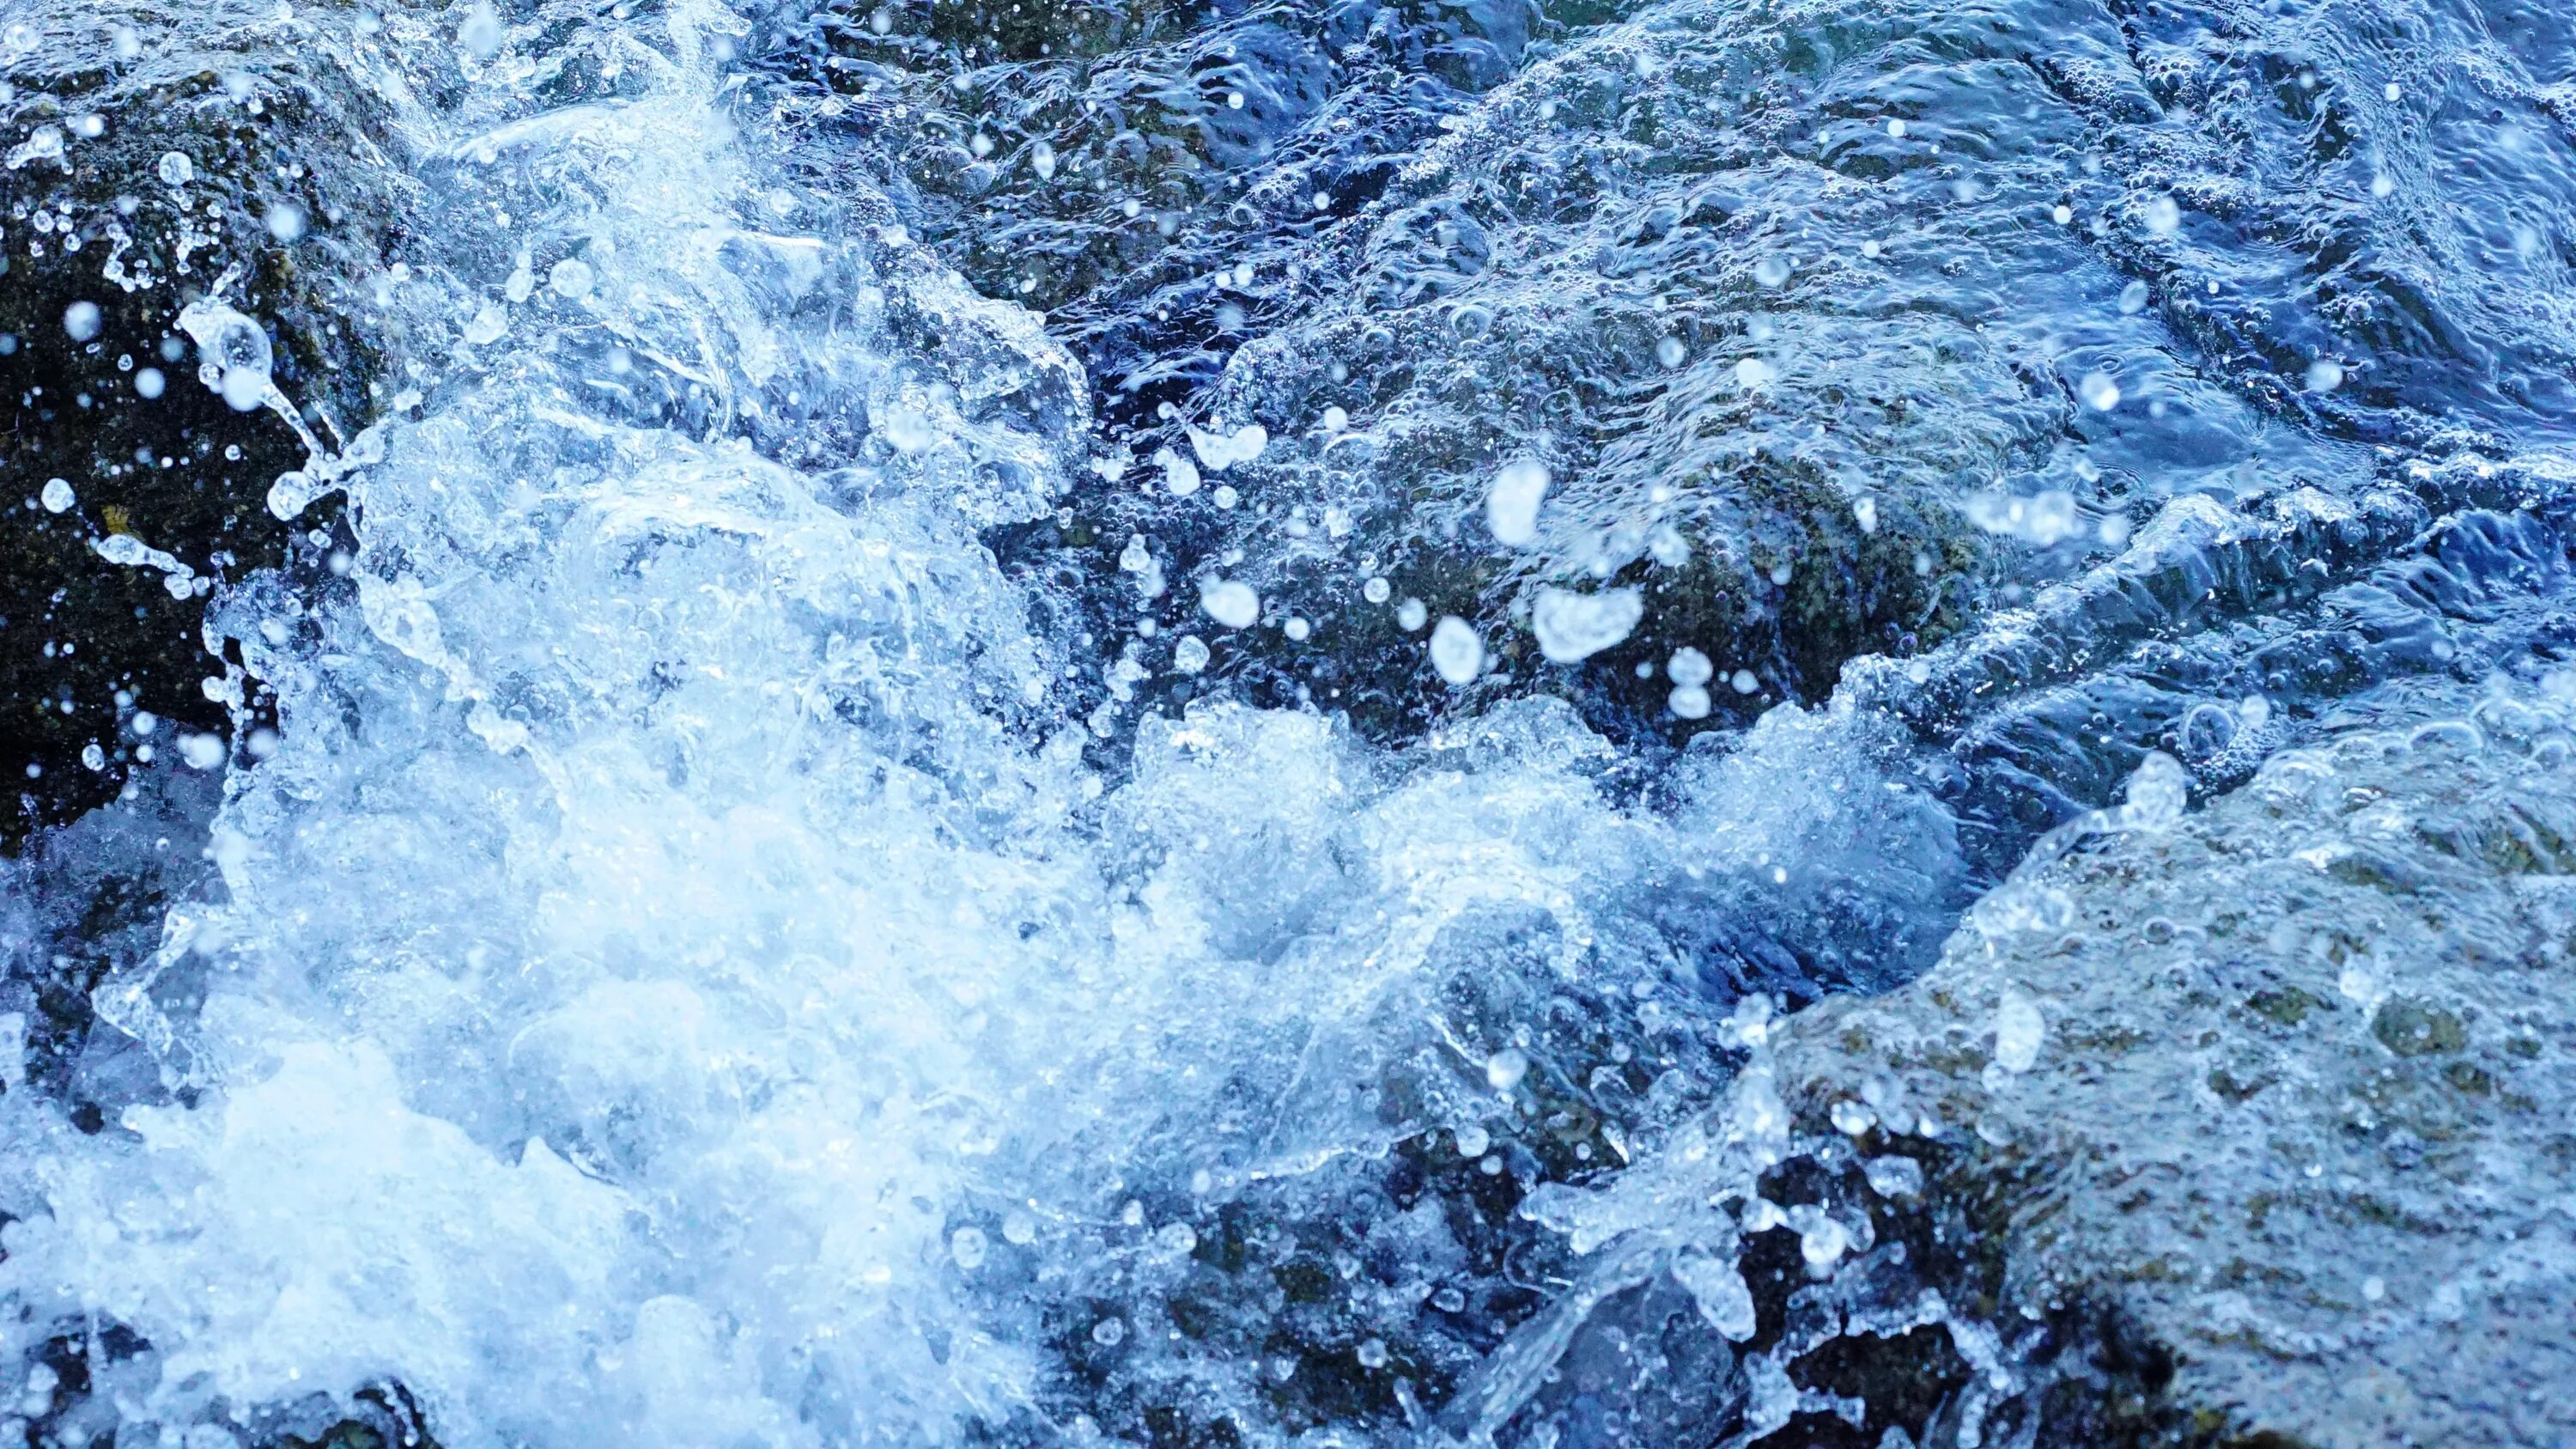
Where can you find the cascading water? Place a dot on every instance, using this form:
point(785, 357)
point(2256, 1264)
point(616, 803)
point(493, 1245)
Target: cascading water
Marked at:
point(672, 978)
point(746, 909)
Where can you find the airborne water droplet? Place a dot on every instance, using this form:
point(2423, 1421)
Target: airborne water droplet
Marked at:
point(1457, 654)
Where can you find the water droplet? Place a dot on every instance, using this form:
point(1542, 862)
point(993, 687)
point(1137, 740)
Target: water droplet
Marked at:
point(1457, 654)
point(1230, 602)
point(1512, 502)
point(286, 220)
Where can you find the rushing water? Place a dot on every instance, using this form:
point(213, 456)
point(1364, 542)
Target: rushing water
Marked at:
point(1033, 726)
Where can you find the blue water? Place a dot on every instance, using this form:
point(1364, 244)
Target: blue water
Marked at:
point(1030, 716)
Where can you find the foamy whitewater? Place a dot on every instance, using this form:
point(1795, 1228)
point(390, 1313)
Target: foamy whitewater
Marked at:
point(674, 980)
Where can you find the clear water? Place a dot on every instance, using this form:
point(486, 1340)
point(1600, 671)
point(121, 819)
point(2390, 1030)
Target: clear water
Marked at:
point(785, 901)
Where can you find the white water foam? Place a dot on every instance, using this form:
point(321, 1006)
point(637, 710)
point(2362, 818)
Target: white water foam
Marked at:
point(673, 938)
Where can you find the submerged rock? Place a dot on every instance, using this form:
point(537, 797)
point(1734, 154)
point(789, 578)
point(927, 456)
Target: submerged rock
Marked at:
point(2262, 1110)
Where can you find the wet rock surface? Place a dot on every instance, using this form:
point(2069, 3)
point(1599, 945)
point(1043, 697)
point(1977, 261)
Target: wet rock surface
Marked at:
point(2256, 1114)
point(152, 167)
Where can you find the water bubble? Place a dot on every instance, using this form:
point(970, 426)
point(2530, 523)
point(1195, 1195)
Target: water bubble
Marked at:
point(1180, 475)
point(1230, 602)
point(176, 169)
point(2098, 391)
point(1190, 655)
point(1473, 1139)
point(1894, 1177)
point(1689, 666)
point(1671, 352)
point(480, 32)
point(1411, 615)
point(1371, 1353)
point(490, 321)
point(1109, 1332)
point(291, 494)
point(1744, 681)
point(2159, 791)
point(1865, 514)
point(1512, 502)
point(57, 495)
point(2062, 214)
point(1823, 1242)
point(1505, 1069)
point(2392, 92)
point(1220, 451)
point(1895, 126)
point(126, 44)
point(2133, 299)
point(2163, 215)
point(201, 752)
point(2325, 375)
point(1457, 654)
point(1572, 627)
point(1752, 373)
point(286, 220)
point(1718, 1287)
point(235, 351)
point(2018, 1030)
point(1772, 271)
point(81, 320)
point(1019, 1227)
point(1689, 701)
point(967, 1247)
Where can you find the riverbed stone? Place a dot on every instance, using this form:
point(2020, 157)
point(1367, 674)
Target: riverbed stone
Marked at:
point(2293, 1160)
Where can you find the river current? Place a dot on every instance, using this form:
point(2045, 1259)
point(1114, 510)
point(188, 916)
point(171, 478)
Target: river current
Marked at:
point(1052, 722)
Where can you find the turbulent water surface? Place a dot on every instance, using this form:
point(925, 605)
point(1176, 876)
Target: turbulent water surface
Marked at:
point(788, 722)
